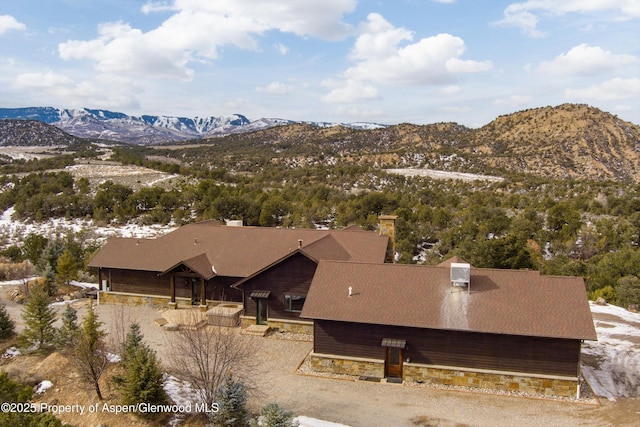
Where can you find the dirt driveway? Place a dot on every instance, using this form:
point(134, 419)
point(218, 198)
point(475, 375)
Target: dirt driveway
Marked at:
point(361, 403)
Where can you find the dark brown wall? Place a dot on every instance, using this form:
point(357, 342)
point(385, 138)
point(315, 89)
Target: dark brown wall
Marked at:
point(452, 348)
point(136, 282)
point(292, 276)
point(148, 282)
point(219, 288)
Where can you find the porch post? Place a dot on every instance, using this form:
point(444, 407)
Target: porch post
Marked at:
point(172, 292)
point(203, 296)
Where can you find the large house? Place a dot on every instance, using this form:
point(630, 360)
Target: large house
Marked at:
point(448, 324)
point(268, 270)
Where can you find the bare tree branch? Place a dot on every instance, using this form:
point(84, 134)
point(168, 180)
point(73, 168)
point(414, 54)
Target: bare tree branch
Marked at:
point(205, 356)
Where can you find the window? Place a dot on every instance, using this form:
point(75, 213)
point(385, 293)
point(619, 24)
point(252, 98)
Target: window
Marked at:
point(294, 302)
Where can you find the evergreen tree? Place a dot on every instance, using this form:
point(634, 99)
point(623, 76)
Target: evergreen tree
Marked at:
point(143, 379)
point(90, 352)
point(66, 268)
point(38, 319)
point(14, 392)
point(273, 415)
point(49, 280)
point(67, 336)
point(232, 400)
point(7, 326)
point(133, 341)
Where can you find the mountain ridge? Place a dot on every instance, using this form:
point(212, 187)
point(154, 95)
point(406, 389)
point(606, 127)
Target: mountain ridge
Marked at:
point(148, 129)
point(566, 141)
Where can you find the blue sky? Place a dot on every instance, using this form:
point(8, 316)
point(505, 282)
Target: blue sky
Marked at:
point(418, 61)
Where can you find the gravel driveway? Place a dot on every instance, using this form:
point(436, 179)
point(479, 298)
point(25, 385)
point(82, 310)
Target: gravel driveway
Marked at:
point(361, 403)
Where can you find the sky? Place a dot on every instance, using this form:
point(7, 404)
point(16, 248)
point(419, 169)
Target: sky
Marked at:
point(381, 61)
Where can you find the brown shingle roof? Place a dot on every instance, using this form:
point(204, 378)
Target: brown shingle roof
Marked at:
point(513, 302)
point(237, 251)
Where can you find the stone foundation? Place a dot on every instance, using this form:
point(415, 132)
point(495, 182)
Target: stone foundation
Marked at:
point(286, 325)
point(357, 366)
point(495, 380)
point(155, 301)
point(292, 326)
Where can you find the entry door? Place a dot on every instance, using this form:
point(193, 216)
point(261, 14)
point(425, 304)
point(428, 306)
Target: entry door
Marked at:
point(262, 311)
point(394, 362)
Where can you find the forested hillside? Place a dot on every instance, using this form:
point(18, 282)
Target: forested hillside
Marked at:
point(569, 201)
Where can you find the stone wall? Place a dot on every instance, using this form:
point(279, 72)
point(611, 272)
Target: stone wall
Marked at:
point(133, 299)
point(506, 381)
point(291, 326)
point(347, 365)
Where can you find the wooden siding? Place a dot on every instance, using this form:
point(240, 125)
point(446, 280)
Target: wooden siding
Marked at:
point(291, 276)
point(149, 283)
point(219, 289)
point(135, 281)
point(452, 348)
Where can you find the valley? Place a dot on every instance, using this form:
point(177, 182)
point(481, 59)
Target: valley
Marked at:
point(555, 190)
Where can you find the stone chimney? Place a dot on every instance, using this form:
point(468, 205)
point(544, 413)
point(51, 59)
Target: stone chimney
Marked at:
point(388, 228)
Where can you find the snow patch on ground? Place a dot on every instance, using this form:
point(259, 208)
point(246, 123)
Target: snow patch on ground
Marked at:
point(436, 174)
point(314, 422)
point(44, 386)
point(11, 352)
point(611, 365)
point(15, 231)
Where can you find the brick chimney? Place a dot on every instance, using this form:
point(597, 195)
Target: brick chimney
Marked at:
point(388, 228)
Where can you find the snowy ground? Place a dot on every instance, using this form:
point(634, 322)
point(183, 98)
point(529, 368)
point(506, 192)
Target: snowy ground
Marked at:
point(12, 231)
point(612, 364)
point(437, 174)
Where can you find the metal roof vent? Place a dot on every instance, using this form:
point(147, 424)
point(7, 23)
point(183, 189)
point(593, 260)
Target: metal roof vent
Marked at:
point(460, 274)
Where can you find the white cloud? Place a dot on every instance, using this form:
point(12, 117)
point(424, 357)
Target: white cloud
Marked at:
point(281, 48)
point(432, 60)
point(514, 100)
point(450, 90)
point(199, 28)
point(8, 22)
point(525, 15)
point(586, 60)
point(613, 89)
point(454, 109)
point(276, 88)
point(349, 91)
point(156, 6)
point(106, 93)
point(359, 113)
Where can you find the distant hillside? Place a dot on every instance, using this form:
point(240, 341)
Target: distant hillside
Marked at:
point(565, 141)
point(569, 140)
point(33, 133)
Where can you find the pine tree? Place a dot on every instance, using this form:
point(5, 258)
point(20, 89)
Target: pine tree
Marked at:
point(66, 268)
point(132, 343)
point(143, 380)
point(38, 319)
point(273, 415)
point(7, 326)
point(90, 352)
point(68, 334)
point(232, 400)
point(49, 280)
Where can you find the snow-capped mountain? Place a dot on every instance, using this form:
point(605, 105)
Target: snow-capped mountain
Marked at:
point(146, 129)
